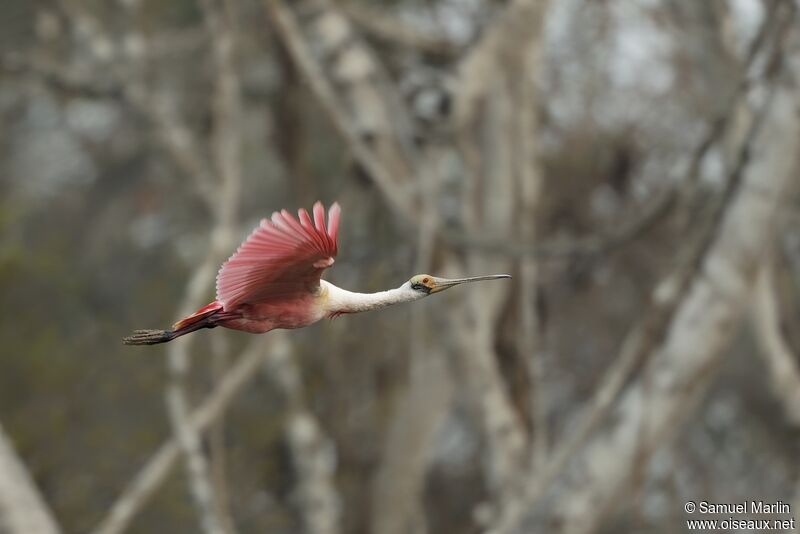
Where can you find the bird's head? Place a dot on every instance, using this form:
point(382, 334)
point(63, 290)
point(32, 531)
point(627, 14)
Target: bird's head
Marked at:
point(426, 284)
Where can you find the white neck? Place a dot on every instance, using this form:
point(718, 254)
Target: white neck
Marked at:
point(338, 300)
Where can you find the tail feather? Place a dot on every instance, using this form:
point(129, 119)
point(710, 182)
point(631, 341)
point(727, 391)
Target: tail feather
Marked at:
point(149, 337)
point(206, 311)
point(202, 318)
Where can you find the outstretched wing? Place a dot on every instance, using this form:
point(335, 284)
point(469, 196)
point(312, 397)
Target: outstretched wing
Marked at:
point(280, 258)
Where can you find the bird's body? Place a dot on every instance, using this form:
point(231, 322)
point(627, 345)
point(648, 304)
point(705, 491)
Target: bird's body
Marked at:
point(273, 281)
point(296, 312)
point(328, 301)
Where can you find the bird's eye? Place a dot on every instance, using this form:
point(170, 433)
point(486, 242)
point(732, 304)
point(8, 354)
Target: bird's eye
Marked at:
point(426, 280)
point(416, 286)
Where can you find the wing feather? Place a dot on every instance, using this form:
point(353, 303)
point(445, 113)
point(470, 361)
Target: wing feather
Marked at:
point(319, 217)
point(334, 214)
point(281, 257)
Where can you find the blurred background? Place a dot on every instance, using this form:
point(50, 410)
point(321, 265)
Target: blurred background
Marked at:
point(632, 163)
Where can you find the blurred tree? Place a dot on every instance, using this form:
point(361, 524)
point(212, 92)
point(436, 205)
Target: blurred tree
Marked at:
point(633, 164)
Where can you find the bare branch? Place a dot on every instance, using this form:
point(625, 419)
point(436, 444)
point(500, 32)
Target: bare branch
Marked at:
point(128, 76)
point(482, 67)
point(398, 505)
point(226, 148)
point(314, 462)
point(62, 80)
point(22, 508)
point(386, 178)
point(529, 186)
point(398, 485)
point(781, 361)
point(196, 464)
point(227, 107)
point(184, 148)
point(697, 308)
point(222, 199)
point(601, 245)
point(188, 437)
point(313, 453)
point(646, 337)
point(496, 124)
point(395, 30)
point(144, 484)
point(692, 351)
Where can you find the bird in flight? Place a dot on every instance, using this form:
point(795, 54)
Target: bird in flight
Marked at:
point(273, 281)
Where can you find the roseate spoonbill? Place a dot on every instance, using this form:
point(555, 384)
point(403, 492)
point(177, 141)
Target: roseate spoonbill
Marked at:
point(273, 281)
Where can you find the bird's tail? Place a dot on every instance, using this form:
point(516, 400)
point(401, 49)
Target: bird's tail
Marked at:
point(202, 318)
point(149, 337)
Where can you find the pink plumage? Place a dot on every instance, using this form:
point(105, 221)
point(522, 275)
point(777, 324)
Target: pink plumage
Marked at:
point(281, 258)
point(273, 280)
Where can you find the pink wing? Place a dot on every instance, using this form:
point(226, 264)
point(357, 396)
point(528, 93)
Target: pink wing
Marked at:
point(281, 258)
